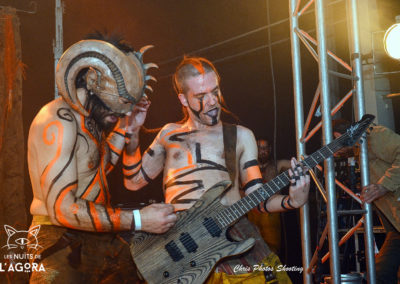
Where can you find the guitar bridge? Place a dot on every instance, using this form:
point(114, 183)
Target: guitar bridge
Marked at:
point(173, 251)
point(212, 227)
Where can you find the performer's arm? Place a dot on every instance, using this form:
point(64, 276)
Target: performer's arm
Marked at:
point(385, 145)
point(55, 142)
point(139, 171)
point(250, 177)
point(116, 142)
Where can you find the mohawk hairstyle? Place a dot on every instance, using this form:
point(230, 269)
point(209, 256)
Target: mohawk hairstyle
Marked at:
point(191, 66)
point(113, 38)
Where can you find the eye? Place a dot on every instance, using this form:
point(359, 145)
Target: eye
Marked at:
point(21, 241)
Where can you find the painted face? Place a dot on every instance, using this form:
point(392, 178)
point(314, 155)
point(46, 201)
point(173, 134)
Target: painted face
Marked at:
point(264, 150)
point(118, 105)
point(203, 98)
point(104, 117)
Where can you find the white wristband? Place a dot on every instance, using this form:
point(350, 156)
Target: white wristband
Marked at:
point(138, 219)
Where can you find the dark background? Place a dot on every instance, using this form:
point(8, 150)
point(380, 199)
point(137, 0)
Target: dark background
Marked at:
point(219, 30)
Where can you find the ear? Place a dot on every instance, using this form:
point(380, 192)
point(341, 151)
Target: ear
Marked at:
point(92, 79)
point(336, 134)
point(183, 100)
point(9, 230)
point(34, 230)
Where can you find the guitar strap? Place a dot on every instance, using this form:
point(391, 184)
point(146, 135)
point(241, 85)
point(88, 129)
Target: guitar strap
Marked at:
point(229, 132)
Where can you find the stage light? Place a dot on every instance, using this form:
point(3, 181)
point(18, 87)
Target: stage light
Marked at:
point(391, 40)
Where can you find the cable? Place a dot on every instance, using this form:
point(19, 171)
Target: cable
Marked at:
point(224, 41)
point(238, 36)
point(273, 81)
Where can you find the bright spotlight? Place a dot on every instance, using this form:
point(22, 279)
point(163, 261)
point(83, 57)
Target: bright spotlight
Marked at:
point(391, 40)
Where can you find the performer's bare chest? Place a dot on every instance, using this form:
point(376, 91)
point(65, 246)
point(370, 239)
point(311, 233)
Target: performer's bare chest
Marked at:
point(195, 161)
point(92, 157)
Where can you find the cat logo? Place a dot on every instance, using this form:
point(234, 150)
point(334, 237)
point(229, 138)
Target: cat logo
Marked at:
point(22, 239)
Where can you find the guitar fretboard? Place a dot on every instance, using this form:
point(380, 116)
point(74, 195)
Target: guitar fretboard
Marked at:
point(232, 213)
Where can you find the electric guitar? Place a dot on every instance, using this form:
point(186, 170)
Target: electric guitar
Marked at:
point(188, 252)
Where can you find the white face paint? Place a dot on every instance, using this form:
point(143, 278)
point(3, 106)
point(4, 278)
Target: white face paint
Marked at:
point(203, 98)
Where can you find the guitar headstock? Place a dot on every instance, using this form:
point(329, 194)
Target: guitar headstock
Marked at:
point(356, 130)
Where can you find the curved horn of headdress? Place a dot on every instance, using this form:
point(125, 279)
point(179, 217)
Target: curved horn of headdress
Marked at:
point(150, 65)
point(146, 67)
point(143, 50)
point(84, 54)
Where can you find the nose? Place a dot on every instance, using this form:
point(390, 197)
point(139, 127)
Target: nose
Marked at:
point(211, 99)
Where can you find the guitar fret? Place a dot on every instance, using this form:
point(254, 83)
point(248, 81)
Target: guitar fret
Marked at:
point(229, 216)
point(305, 162)
point(263, 194)
point(236, 210)
point(232, 213)
point(240, 208)
point(286, 176)
point(258, 196)
point(275, 185)
point(319, 156)
point(280, 179)
point(330, 150)
point(316, 163)
point(250, 201)
point(254, 195)
point(270, 190)
point(326, 152)
point(248, 204)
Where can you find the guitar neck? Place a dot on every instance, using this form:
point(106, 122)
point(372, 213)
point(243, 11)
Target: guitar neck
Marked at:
point(234, 212)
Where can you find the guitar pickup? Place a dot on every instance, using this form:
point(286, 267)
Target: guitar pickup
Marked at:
point(173, 251)
point(212, 227)
point(188, 242)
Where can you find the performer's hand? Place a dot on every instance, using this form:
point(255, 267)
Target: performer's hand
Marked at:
point(299, 184)
point(135, 119)
point(157, 218)
point(372, 192)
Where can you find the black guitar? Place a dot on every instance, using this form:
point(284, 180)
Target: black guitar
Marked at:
point(188, 252)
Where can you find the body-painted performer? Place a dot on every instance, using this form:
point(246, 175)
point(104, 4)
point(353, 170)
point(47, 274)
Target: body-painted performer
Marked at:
point(74, 142)
point(192, 157)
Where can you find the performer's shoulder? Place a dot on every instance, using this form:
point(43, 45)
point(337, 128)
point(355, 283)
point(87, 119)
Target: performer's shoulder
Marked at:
point(170, 127)
point(244, 132)
point(56, 110)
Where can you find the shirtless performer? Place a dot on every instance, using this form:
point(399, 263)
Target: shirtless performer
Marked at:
point(74, 142)
point(191, 153)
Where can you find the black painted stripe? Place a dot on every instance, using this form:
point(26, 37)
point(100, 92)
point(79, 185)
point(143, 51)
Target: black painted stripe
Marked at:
point(131, 167)
point(90, 215)
point(251, 183)
point(250, 164)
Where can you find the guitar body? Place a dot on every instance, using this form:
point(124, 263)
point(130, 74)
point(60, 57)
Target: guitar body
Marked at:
point(188, 252)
